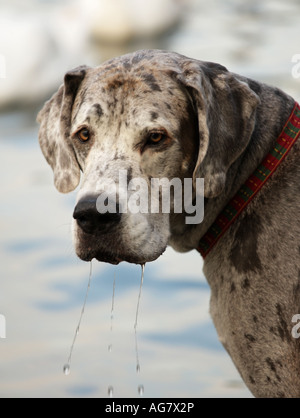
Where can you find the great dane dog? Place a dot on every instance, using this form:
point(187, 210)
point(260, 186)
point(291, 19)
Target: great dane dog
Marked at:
point(158, 114)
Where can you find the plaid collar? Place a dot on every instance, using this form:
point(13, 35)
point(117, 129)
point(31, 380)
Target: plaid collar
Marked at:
point(255, 182)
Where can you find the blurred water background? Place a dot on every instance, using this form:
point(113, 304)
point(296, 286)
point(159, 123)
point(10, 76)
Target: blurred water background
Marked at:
point(42, 283)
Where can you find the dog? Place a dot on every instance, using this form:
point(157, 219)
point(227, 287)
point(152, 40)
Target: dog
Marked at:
point(158, 114)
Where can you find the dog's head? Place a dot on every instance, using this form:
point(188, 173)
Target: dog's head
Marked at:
point(144, 116)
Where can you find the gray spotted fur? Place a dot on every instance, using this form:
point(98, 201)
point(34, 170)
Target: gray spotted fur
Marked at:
point(221, 126)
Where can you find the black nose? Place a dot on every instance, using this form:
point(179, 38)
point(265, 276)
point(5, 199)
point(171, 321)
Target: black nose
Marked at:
point(90, 220)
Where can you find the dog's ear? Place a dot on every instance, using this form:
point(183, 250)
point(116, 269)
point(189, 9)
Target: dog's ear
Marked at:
point(54, 133)
point(226, 110)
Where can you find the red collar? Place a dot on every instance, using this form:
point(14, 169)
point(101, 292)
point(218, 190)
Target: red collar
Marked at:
point(249, 189)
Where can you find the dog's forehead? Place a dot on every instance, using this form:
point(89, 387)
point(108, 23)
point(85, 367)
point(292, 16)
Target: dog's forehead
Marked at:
point(141, 77)
point(122, 89)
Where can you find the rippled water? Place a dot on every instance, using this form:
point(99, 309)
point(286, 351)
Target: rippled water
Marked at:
point(42, 283)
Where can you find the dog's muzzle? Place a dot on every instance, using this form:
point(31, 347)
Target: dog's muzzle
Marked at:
point(96, 231)
point(114, 235)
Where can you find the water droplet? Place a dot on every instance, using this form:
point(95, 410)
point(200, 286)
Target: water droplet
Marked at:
point(66, 369)
point(110, 348)
point(138, 368)
point(110, 391)
point(141, 390)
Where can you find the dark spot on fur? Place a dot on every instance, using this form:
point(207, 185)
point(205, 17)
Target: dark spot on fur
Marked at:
point(115, 83)
point(254, 318)
point(129, 175)
point(272, 367)
point(244, 254)
point(250, 338)
point(98, 109)
point(271, 364)
point(154, 116)
point(252, 380)
point(151, 81)
point(232, 287)
point(281, 395)
point(245, 284)
point(283, 328)
point(281, 332)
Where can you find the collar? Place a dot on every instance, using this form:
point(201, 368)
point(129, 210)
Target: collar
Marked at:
point(255, 182)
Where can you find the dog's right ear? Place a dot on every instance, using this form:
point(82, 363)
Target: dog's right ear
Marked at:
point(54, 133)
point(226, 108)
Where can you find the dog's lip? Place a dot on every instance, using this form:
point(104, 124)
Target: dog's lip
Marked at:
point(110, 258)
point(113, 259)
point(117, 257)
point(104, 257)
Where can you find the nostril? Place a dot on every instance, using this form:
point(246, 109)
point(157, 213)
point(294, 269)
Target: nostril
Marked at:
point(84, 221)
point(84, 215)
point(90, 220)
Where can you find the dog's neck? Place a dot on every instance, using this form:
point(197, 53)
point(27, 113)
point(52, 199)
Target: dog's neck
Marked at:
point(186, 237)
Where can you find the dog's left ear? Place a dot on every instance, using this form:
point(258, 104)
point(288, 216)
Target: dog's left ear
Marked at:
point(54, 133)
point(226, 110)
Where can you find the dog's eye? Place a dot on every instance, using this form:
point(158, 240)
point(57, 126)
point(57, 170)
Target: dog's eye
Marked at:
point(83, 135)
point(156, 137)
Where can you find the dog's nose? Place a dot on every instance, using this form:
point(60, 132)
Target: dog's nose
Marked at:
point(90, 220)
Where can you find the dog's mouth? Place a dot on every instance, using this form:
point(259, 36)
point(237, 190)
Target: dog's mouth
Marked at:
point(104, 257)
point(116, 258)
point(112, 238)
